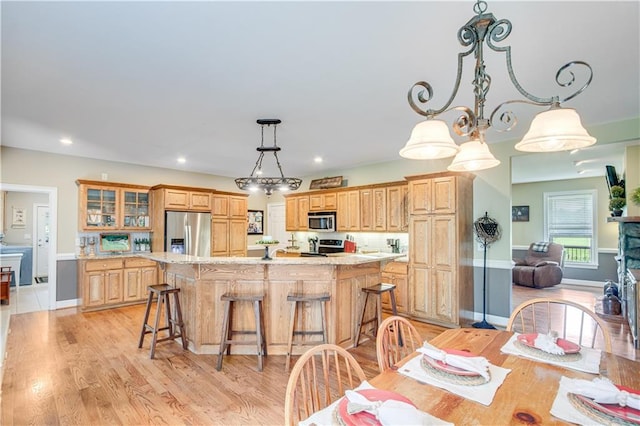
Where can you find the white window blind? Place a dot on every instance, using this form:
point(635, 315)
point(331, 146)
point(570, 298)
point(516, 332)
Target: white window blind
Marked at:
point(570, 215)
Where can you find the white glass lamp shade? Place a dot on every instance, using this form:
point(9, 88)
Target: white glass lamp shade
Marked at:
point(558, 129)
point(474, 155)
point(429, 140)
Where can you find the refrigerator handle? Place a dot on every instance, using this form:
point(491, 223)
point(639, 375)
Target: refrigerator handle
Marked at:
point(187, 234)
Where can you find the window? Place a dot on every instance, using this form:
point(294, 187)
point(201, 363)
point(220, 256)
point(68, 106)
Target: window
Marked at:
point(569, 220)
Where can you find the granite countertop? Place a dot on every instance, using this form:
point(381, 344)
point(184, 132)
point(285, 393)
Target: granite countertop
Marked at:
point(114, 255)
point(352, 259)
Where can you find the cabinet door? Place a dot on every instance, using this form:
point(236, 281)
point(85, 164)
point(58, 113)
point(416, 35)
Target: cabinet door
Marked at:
point(303, 213)
point(354, 210)
point(419, 295)
point(113, 286)
point(330, 201)
point(397, 209)
point(237, 237)
point(220, 205)
point(93, 288)
point(419, 231)
point(135, 210)
point(175, 198)
point(342, 213)
point(131, 284)
point(420, 200)
point(315, 202)
point(348, 211)
point(291, 211)
point(219, 237)
point(200, 201)
point(444, 291)
point(238, 207)
point(366, 210)
point(379, 211)
point(443, 191)
point(99, 207)
point(148, 276)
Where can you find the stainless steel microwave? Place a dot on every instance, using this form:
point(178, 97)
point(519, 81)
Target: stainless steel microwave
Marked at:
point(322, 221)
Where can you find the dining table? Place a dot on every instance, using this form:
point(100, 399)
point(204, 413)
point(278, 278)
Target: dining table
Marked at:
point(525, 396)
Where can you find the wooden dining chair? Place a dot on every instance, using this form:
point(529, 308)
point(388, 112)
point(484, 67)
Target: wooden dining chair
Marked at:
point(570, 320)
point(396, 339)
point(320, 376)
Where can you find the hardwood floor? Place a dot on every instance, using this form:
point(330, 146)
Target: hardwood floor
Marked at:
point(66, 367)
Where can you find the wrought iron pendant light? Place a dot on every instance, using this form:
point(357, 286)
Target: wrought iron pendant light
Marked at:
point(557, 129)
point(257, 182)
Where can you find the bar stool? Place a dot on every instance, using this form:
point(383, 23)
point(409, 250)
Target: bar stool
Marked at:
point(163, 291)
point(375, 291)
point(226, 336)
point(297, 298)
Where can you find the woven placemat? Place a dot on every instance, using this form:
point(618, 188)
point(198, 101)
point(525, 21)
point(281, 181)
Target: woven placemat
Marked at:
point(595, 414)
point(546, 355)
point(451, 378)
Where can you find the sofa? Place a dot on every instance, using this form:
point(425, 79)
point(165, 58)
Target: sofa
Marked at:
point(541, 267)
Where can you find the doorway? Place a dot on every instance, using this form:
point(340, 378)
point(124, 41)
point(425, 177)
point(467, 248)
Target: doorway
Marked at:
point(276, 222)
point(41, 243)
point(51, 266)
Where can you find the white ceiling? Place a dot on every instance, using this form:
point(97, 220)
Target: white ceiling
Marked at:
point(146, 82)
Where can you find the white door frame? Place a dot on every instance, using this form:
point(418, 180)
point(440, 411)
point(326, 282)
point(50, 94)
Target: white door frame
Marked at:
point(53, 230)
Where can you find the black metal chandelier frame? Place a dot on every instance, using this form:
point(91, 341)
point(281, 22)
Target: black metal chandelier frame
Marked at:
point(268, 184)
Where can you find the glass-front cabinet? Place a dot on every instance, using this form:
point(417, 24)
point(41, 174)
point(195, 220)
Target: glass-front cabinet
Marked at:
point(114, 207)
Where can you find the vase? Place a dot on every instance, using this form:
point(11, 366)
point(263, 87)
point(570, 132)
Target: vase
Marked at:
point(616, 213)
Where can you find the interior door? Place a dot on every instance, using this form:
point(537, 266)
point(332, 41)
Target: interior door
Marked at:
point(42, 240)
point(276, 224)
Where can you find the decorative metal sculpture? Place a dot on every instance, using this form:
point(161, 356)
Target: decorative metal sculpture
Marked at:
point(487, 232)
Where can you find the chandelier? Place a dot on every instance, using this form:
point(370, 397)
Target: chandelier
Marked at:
point(556, 129)
point(256, 181)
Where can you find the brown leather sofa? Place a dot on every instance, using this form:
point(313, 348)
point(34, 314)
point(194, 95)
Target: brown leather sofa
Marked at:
point(540, 268)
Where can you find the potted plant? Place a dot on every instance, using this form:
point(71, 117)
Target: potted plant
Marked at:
point(617, 201)
point(635, 196)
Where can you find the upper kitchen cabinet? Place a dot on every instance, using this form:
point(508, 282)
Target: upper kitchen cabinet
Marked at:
point(397, 208)
point(436, 195)
point(323, 202)
point(231, 206)
point(112, 206)
point(373, 209)
point(297, 210)
point(182, 198)
point(348, 214)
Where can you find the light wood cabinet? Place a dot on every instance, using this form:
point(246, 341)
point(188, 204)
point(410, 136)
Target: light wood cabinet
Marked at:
point(112, 206)
point(396, 273)
point(297, 209)
point(179, 199)
point(348, 213)
point(323, 202)
point(109, 283)
point(441, 248)
point(397, 208)
point(229, 225)
point(232, 206)
point(373, 209)
point(138, 274)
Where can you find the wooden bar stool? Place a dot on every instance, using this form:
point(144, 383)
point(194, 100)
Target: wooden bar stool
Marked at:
point(226, 336)
point(297, 298)
point(375, 291)
point(163, 291)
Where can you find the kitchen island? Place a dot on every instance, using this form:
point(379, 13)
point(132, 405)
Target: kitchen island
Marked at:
point(202, 280)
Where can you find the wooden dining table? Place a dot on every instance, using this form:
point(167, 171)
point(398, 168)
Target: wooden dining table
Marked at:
point(525, 397)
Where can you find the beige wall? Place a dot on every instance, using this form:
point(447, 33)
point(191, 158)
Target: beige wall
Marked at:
point(632, 177)
point(21, 200)
point(532, 195)
point(23, 167)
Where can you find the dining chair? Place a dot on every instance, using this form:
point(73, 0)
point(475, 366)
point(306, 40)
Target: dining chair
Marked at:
point(396, 339)
point(320, 376)
point(570, 320)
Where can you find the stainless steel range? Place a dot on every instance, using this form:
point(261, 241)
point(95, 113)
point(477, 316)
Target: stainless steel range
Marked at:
point(324, 247)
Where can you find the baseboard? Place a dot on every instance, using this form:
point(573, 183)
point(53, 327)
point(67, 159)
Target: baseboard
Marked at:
point(492, 319)
point(70, 303)
point(582, 283)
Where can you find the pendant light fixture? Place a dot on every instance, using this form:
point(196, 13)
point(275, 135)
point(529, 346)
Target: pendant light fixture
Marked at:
point(257, 182)
point(557, 129)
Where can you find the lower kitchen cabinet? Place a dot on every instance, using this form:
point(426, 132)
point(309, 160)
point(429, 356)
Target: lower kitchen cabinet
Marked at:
point(107, 283)
point(396, 273)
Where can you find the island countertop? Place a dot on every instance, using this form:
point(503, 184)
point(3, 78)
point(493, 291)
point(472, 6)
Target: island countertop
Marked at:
point(342, 259)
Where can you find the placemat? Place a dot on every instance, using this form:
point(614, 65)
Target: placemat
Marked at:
point(449, 377)
point(589, 362)
point(479, 393)
point(597, 415)
point(539, 353)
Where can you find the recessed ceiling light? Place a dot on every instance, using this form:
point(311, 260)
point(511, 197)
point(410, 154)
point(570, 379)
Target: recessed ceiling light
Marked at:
point(182, 160)
point(317, 160)
point(66, 141)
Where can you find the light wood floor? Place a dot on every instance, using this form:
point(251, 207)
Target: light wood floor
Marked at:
point(66, 367)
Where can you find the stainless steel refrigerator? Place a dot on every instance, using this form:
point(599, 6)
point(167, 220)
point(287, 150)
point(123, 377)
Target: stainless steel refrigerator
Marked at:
point(188, 233)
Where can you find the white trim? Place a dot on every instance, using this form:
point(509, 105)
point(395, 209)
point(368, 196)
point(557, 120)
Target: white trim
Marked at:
point(53, 231)
point(600, 250)
point(493, 264)
point(69, 303)
point(582, 283)
point(67, 256)
point(34, 239)
point(491, 319)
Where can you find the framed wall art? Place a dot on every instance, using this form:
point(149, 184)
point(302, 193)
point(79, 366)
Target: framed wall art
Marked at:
point(19, 217)
point(255, 219)
point(520, 214)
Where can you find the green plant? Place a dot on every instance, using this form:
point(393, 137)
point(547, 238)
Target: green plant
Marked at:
point(616, 191)
point(617, 203)
point(635, 196)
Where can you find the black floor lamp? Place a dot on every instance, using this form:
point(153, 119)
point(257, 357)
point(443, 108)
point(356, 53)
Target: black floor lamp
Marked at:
point(487, 232)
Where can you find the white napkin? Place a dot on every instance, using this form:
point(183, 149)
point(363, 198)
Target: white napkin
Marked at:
point(547, 343)
point(603, 391)
point(477, 364)
point(388, 413)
